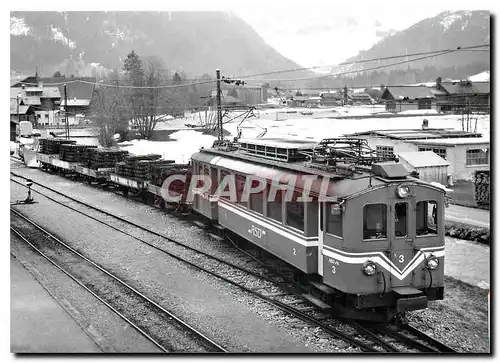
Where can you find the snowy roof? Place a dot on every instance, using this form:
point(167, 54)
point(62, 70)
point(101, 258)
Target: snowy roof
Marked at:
point(420, 159)
point(417, 134)
point(480, 77)
point(453, 141)
point(466, 87)
point(406, 92)
point(280, 142)
point(76, 102)
point(22, 110)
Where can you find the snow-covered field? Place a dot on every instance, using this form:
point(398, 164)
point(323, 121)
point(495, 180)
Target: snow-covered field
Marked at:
point(296, 126)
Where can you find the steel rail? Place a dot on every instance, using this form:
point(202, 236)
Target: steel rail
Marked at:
point(138, 293)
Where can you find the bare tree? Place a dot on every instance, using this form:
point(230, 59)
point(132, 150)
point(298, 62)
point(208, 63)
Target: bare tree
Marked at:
point(107, 108)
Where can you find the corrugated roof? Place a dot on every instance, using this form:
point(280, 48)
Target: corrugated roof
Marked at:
point(406, 92)
point(453, 141)
point(421, 159)
point(412, 134)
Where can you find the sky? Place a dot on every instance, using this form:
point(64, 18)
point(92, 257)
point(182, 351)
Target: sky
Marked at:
point(325, 33)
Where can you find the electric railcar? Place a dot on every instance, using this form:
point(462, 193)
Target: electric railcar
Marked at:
point(370, 238)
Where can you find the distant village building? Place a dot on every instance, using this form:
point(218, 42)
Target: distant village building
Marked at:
point(360, 98)
point(331, 98)
point(46, 95)
point(466, 152)
point(463, 96)
point(406, 98)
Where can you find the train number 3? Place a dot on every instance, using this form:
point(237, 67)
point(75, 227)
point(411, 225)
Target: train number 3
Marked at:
point(401, 258)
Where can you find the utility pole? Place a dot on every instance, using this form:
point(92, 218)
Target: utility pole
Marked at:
point(18, 114)
point(220, 137)
point(66, 111)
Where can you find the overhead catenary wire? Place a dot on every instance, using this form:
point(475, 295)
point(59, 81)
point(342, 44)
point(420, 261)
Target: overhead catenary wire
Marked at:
point(428, 55)
point(468, 48)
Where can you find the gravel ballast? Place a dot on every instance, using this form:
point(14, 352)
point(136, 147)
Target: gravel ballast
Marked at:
point(186, 232)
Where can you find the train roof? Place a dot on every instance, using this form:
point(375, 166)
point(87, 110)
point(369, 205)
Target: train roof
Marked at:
point(345, 180)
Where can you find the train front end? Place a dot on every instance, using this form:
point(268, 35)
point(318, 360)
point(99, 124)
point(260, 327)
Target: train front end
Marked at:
point(383, 247)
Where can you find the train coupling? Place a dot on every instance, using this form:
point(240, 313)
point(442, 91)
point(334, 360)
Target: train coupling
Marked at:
point(409, 298)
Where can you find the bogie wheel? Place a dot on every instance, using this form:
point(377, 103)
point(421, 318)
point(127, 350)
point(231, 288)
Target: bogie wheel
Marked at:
point(125, 191)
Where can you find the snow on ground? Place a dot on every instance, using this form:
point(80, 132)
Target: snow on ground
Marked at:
point(185, 144)
point(188, 141)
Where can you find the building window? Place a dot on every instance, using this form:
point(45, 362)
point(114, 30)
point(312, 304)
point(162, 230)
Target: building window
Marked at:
point(439, 151)
point(295, 212)
point(426, 218)
point(374, 221)
point(385, 151)
point(400, 219)
point(334, 219)
point(477, 157)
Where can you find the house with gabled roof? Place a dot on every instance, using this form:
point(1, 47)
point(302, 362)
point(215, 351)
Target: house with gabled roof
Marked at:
point(406, 98)
point(464, 95)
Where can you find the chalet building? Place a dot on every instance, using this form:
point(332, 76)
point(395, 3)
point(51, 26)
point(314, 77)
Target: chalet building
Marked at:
point(360, 98)
point(331, 98)
point(49, 92)
point(305, 101)
point(406, 98)
point(462, 96)
point(465, 152)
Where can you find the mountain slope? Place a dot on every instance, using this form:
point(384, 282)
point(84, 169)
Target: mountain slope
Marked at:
point(447, 30)
point(195, 42)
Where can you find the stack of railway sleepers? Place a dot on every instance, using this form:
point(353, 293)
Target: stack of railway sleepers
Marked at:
point(105, 158)
point(53, 146)
point(162, 169)
point(136, 166)
point(75, 153)
point(482, 186)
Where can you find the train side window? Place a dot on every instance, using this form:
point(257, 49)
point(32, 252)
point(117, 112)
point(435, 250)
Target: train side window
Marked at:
point(426, 216)
point(240, 186)
point(274, 207)
point(334, 215)
point(223, 174)
point(256, 199)
point(295, 212)
point(400, 219)
point(374, 221)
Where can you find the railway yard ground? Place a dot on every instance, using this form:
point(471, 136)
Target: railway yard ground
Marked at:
point(234, 319)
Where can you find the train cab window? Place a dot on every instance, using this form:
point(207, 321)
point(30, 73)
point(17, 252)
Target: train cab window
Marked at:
point(274, 207)
point(374, 221)
point(295, 212)
point(426, 216)
point(400, 219)
point(334, 219)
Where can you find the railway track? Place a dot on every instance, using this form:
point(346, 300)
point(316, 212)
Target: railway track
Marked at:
point(160, 326)
point(271, 287)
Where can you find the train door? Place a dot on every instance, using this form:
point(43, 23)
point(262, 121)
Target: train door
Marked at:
point(401, 239)
point(321, 223)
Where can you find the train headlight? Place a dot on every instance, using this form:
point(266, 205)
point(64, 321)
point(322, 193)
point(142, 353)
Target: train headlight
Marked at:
point(369, 268)
point(403, 191)
point(432, 262)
